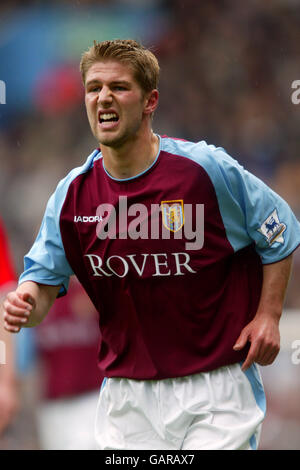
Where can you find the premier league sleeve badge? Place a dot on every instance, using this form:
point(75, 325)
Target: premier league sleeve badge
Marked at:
point(272, 229)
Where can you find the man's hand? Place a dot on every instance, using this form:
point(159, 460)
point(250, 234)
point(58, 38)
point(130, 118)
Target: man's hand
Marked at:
point(263, 331)
point(263, 334)
point(17, 308)
point(28, 305)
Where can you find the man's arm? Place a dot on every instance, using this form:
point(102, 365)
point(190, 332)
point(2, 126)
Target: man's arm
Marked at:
point(263, 331)
point(28, 305)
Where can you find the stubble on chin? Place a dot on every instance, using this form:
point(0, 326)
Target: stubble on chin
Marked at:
point(108, 140)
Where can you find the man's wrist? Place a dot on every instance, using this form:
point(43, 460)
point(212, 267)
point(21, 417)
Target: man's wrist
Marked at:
point(270, 312)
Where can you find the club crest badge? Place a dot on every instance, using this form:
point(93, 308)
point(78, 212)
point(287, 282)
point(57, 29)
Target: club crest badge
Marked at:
point(172, 214)
point(273, 229)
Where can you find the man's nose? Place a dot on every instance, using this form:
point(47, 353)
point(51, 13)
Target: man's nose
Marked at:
point(104, 95)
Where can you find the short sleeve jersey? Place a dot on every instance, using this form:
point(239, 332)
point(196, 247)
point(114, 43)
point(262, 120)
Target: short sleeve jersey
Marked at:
point(171, 258)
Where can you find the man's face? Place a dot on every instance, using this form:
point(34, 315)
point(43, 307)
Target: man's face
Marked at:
point(114, 101)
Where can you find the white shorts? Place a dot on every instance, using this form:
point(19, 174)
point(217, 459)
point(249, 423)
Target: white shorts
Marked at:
point(222, 409)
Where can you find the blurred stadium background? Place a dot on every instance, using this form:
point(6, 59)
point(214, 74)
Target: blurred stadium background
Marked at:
point(227, 70)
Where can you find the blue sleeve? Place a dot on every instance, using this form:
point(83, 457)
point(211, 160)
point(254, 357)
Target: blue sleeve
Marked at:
point(46, 262)
point(251, 211)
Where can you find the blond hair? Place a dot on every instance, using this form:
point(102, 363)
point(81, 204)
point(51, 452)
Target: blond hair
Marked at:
point(142, 61)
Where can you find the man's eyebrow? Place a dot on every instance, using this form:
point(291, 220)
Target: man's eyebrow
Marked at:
point(114, 82)
point(120, 82)
point(92, 82)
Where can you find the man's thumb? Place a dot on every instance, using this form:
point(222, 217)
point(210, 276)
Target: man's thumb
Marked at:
point(28, 298)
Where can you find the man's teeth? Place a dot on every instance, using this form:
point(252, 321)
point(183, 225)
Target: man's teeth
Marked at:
point(108, 116)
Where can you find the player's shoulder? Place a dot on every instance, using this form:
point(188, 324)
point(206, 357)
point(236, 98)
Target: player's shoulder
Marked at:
point(63, 186)
point(207, 155)
point(75, 172)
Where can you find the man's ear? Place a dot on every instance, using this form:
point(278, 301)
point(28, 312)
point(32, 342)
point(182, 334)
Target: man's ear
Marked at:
point(151, 102)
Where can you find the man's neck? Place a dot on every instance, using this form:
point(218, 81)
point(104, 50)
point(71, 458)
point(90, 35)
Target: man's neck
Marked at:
point(134, 157)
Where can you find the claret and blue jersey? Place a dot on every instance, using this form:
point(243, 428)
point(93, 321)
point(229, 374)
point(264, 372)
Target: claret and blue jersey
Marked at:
point(169, 306)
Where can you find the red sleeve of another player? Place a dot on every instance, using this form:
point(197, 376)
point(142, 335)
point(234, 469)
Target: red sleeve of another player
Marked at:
point(7, 272)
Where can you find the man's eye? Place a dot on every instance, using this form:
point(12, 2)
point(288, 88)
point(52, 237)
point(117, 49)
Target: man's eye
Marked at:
point(94, 89)
point(119, 88)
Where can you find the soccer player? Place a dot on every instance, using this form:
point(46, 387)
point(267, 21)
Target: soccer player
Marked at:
point(186, 257)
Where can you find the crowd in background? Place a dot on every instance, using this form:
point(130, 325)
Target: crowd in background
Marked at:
point(226, 73)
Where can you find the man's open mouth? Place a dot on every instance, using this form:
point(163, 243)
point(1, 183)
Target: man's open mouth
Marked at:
point(108, 117)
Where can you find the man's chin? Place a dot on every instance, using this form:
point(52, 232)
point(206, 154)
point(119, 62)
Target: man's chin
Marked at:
point(112, 141)
point(106, 138)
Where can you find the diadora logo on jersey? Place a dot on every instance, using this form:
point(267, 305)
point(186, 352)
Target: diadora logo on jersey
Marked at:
point(273, 229)
point(172, 214)
point(86, 218)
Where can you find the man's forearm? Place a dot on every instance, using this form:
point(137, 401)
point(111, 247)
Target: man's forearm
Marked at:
point(263, 331)
point(43, 296)
point(275, 281)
